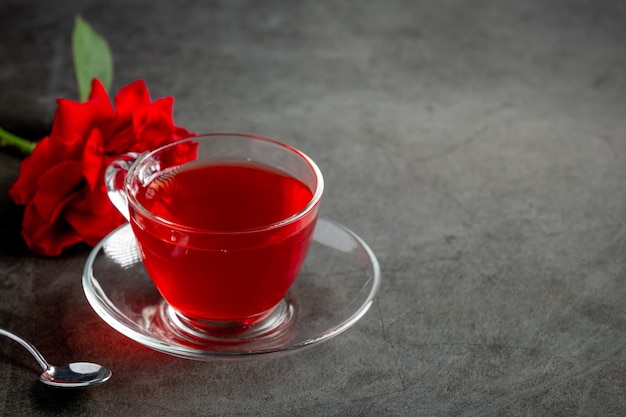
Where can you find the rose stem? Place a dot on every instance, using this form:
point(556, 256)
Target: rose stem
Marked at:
point(7, 138)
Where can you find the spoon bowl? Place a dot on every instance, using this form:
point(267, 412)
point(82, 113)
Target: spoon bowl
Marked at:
point(72, 375)
point(75, 375)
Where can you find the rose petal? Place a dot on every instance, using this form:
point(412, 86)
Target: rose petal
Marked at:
point(46, 238)
point(153, 126)
point(56, 188)
point(98, 91)
point(96, 202)
point(74, 121)
point(93, 227)
point(130, 97)
point(166, 105)
point(93, 158)
point(182, 133)
point(40, 160)
point(120, 139)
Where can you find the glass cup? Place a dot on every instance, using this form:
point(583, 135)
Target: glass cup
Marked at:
point(223, 223)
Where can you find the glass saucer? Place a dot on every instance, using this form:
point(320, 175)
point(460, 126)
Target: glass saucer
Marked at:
point(334, 289)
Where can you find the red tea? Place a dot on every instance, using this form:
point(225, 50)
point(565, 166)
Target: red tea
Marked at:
point(241, 268)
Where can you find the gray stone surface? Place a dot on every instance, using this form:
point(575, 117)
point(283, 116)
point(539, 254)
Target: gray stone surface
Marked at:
point(479, 147)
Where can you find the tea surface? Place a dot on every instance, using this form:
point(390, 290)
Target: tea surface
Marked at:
point(225, 196)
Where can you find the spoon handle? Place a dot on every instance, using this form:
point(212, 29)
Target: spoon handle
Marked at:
point(32, 349)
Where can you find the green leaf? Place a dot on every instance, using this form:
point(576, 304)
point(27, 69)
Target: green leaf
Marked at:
point(92, 58)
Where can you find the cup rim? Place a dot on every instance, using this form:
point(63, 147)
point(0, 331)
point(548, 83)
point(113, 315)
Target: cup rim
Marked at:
point(311, 205)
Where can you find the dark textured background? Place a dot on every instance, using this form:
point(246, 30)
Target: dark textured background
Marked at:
point(478, 146)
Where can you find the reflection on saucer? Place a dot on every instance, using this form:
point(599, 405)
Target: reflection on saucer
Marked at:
point(122, 248)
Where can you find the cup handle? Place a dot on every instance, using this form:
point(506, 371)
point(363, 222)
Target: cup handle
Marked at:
point(114, 178)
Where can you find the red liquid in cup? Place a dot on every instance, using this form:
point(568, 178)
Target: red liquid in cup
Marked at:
point(224, 276)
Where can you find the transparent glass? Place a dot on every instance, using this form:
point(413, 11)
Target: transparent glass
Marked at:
point(219, 282)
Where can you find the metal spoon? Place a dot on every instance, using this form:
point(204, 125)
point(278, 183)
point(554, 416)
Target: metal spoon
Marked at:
point(73, 375)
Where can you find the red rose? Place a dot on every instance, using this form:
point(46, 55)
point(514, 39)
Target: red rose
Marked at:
point(62, 182)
